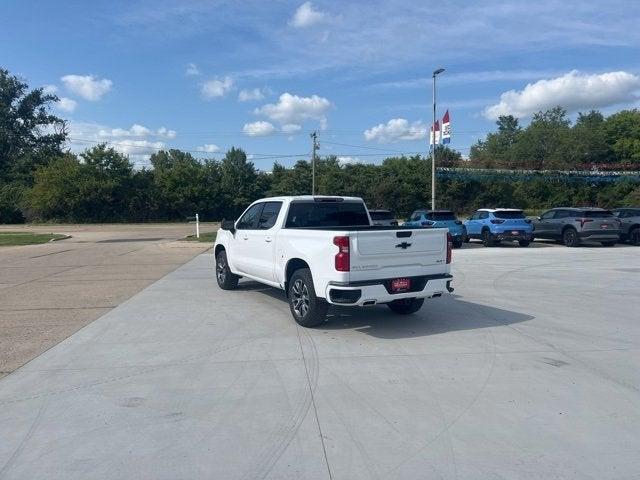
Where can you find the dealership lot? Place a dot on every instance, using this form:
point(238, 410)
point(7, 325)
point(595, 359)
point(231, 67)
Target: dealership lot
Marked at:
point(49, 291)
point(530, 370)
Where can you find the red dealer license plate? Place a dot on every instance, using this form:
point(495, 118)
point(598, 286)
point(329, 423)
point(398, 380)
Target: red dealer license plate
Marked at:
point(400, 284)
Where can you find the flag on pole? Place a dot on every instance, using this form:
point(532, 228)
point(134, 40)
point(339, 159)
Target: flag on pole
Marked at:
point(446, 128)
point(437, 135)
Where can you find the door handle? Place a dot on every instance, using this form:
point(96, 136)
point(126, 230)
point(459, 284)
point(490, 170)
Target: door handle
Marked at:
point(267, 239)
point(245, 237)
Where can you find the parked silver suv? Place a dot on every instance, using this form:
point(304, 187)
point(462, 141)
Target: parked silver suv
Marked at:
point(629, 224)
point(572, 225)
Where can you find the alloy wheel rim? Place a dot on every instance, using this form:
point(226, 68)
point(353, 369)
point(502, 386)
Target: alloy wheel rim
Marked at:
point(300, 298)
point(221, 270)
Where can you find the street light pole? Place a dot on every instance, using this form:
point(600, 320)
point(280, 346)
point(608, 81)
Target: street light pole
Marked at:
point(433, 151)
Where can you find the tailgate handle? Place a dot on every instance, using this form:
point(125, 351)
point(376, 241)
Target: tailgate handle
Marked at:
point(403, 234)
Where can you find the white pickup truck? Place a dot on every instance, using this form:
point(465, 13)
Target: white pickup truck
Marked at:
point(325, 250)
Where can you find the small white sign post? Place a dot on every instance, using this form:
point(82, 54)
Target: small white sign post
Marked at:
point(197, 226)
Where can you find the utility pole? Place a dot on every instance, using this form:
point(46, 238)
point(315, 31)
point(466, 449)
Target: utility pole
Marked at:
point(433, 151)
point(315, 146)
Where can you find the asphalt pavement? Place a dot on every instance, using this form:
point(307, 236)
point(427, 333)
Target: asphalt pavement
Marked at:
point(530, 370)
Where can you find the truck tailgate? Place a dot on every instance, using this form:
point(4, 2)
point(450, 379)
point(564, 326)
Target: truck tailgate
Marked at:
point(379, 254)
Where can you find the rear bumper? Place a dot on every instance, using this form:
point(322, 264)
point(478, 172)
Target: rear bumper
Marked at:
point(509, 235)
point(597, 235)
point(378, 291)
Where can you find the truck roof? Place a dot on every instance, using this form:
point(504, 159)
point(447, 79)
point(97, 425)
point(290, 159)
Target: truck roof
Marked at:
point(311, 198)
point(500, 210)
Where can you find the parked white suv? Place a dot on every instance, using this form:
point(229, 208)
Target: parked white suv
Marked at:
point(325, 250)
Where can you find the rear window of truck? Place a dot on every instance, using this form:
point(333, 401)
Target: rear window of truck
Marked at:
point(327, 214)
point(510, 214)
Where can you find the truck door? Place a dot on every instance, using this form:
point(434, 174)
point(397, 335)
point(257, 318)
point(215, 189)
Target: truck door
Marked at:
point(263, 243)
point(244, 239)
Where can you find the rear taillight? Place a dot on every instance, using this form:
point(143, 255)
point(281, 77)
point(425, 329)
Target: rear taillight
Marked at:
point(449, 247)
point(497, 221)
point(583, 221)
point(342, 260)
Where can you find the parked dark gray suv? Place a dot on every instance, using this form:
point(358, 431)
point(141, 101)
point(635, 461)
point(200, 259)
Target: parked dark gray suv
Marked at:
point(629, 224)
point(572, 225)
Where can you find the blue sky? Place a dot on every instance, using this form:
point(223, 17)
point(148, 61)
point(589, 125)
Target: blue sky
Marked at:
point(207, 75)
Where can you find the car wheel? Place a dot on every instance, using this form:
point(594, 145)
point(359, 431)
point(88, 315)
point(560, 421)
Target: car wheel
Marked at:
point(570, 237)
point(524, 243)
point(226, 279)
point(307, 309)
point(406, 306)
point(610, 243)
point(457, 243)
point(634, 236)
point(487, 239)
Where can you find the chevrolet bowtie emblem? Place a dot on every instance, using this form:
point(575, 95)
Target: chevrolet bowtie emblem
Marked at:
point(403, 245)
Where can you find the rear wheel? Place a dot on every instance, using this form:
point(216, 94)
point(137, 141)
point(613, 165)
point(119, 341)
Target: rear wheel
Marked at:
point(609, 243)
point(406, 306)
point(226, 279)
point(570, 237)
point(457, 243)
point(307, 309)
point(524, 243)
point(634, 236)
point(487, 239)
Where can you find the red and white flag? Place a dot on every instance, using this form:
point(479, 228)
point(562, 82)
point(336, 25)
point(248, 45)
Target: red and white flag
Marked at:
point(437, 135)
point(446, 128)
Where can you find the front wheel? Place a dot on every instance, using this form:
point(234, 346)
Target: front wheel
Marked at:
point(634, 236)
point(226, 279)
point(609, 243)
point(457, 243)
point(307, 309)
point(524, 243)
point(406, 306)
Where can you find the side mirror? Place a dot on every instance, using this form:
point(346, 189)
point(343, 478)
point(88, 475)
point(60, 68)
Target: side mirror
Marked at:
point(538, 218)
point(229, 225)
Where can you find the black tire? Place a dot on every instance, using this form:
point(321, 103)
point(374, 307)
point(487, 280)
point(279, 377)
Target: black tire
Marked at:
point(524, 243)
point(487, 239)
point(634, 236)
point(406, 306)
point(465, 236)
point(307, 309)
point(570, 237)
point(457, 243)
point(226, 279)
point(609, 243)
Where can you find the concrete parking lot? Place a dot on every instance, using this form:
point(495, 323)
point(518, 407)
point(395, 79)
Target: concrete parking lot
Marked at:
point(530, 370)
point(49, 291)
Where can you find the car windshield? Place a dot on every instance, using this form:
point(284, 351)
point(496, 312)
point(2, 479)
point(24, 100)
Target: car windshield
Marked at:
point(381, 215)
point(327, 214)
point(509, 214)
point(596, 214)
point(440, 216)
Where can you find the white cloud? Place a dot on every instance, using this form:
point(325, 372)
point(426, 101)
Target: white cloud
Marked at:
point(217, 88)
point(258, 129)
point(292, 109)
point(396, 129)
point(192, 70)
point(348, 160)
point(573, 91)
point(305, 16)
point(248, 95)
point(291, 128)
point(49, 89)
point(88, 87)
point(66, 104)
point(136, 130)
point(209, 148)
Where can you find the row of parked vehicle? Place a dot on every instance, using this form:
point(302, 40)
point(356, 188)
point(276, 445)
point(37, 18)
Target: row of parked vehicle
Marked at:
point(568, 225)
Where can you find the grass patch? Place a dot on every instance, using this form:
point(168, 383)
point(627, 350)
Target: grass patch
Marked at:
point(9, 239)
point(208, 237)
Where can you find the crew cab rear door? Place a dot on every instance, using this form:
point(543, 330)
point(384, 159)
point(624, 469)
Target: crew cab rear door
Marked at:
point(389, 253)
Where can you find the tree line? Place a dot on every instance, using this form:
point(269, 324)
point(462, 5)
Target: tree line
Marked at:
point(41, 180)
